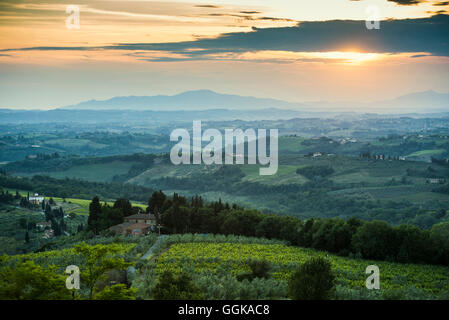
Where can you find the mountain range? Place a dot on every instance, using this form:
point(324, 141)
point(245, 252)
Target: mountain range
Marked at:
point(421, 102)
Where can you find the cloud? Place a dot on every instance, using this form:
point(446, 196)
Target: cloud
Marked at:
point(407, 2)
point(430, 35)
point(207, 6)
point(437, 12)
point(443, 3)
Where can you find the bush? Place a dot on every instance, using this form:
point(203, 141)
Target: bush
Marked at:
point(259, 269)
point(181, 287)
point(314, 280)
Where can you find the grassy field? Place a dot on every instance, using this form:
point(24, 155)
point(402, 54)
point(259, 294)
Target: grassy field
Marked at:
point(81, 206)
point(94, 172)
point(426, 152)
point(207, 257)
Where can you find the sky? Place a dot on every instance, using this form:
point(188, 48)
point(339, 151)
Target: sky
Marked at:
point(294, 50)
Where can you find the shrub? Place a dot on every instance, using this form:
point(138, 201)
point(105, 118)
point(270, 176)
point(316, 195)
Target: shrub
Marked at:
point(314, 280)
point(181, 287)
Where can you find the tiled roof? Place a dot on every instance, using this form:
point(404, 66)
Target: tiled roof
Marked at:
point(120, 226)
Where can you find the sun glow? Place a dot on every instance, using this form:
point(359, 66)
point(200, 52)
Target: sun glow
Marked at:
point(342, 57)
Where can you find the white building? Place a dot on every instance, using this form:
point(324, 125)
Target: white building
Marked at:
point(36, 199)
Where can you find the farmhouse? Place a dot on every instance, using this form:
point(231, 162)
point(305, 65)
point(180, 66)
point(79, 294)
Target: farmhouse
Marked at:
point(138, 229)
point(149, 218)
point(136, 224)
point(36, 199)
point(435, 181)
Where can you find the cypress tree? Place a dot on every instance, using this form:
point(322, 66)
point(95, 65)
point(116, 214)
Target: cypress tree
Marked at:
point(94, 214)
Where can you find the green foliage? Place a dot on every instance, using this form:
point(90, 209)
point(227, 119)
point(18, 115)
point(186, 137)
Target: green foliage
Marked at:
point(314, 280)
point(28, 281)
point(180, 287)
point(98, 260)
point(116, 292)
point(75, 188)
point(101, 217)
point(372, 240)
point(311, 172)
point(259, 269)
point(375, 240)
point(225, 286)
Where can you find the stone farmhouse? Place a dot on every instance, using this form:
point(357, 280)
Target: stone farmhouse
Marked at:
point(136, 225)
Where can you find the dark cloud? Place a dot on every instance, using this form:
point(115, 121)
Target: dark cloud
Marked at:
point(419, 55)
point(250, 12)
point(247, 17)
point(437, 12)
point(403, 2)
point(211, 6)
point(407, 2)
point(443, 3)
point(394, 36)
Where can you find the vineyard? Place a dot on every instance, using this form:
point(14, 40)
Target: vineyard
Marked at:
point(204, 257)
point(59, 258)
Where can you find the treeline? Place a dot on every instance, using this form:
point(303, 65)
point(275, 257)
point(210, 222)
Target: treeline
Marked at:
point(103, 216)
point(311, 199)
point(7, 198)
point(442, 162)
point(352, 237)
point(75, 188)
point(429, 172)
point(41, 164)
point(311, 172)
point(443, 189)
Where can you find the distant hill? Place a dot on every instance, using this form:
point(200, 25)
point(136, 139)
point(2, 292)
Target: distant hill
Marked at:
point(426, 101)
point(190, 100)
point(420, 102)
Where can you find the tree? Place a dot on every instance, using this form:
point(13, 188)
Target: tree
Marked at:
point(27, 237)
point(314, 280)
point(28, 281)
point(259, 269)
point(109, 217)
point(116, 292)
point(23, 223)
point(48, 212)
point(181, 287)
point(94, 214)
point(439, 234)
point(269, 227)
point(439, 214)
point(156, 204)
point(125, 206)
point(98, 260)
point(375, 240)
point(175, 219)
